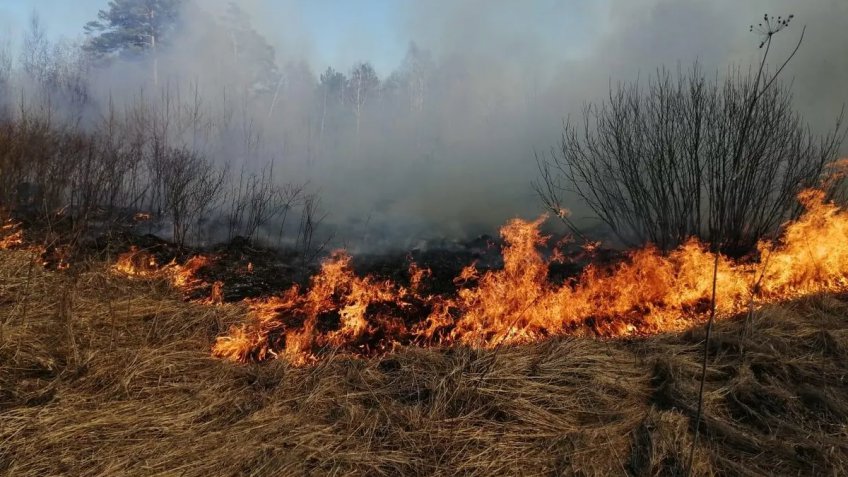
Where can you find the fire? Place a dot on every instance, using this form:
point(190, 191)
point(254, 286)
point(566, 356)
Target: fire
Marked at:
point(11, 235)
point(137, 263)
point(339, 310)
point(12, 240)
point(649, 292)
point(54, 256)
point(185, 276)
point(813, 255)
point(216, 296)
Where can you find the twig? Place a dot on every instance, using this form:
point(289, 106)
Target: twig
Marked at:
point(755, 289)
point(704, 361)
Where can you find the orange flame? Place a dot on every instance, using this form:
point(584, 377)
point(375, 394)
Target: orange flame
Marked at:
point(11, 235)
point(813, 255)
point(297, 322)
point(216, 296)
point(184, 276)
point(649, 292)
point(137, 263)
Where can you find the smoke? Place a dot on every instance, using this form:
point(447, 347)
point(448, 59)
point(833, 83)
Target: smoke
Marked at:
point(445, 147)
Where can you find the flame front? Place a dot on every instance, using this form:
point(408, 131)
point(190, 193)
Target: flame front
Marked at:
point(649, 292)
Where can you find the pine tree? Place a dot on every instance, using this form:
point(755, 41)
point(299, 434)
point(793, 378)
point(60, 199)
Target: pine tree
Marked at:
point(252, 55)
point(130, 27)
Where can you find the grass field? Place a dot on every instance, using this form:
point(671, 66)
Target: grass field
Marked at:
point(100, 375)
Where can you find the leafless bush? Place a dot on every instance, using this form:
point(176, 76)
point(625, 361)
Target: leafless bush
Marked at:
point(31, 150)
point(52, 171)
point(148, 153)
point(312, 215)
point(835, 181)
point(105, 177)
point(291, 195)
point(136, 158)
point(653, 163)
point(256, 201)
point(191, 186)
point(125, 163)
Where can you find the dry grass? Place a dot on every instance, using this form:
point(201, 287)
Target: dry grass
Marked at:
point(102, 376)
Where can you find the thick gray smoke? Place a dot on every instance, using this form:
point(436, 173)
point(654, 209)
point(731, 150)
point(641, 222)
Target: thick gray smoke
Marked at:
point(444, 146)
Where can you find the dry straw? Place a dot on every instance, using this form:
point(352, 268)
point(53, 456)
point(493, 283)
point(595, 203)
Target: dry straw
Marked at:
point(109, 377)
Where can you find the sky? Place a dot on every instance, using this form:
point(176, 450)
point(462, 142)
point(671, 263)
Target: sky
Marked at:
point(342, 32)
point(60, 17)
point(341, 29)
point(335, 29)
point(333, 26)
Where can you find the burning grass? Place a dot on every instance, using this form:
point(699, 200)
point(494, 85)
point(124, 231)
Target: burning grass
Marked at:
point(11, 235)
point(648, 293)
point(100, 375)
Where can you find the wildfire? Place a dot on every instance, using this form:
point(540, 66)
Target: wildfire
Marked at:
point(12, 240)
point(185, 276)
point(216, 296)
point(338, 310)
point(11, 235)
point(142, 264)
point(53, 256)
point(649, 292)
point(137, 263)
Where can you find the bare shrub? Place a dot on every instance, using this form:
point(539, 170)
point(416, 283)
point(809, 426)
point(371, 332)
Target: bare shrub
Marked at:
point(312, 215)
point(136, 158)
point(191, 186)
point(654, 162)
point(256, 200)
point(37, 152)
point(63, 165)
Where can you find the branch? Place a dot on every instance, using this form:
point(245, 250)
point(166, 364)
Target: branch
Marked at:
point(776, 74)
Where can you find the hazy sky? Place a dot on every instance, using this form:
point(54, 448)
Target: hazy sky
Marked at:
point(340, 32)
point(335, 28)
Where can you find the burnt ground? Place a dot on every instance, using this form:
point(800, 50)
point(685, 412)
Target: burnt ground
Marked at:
point(104, 240)
point(244, 269)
